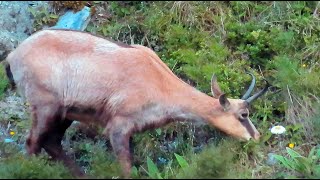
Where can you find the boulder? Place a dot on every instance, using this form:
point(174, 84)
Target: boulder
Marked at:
point(15, 23)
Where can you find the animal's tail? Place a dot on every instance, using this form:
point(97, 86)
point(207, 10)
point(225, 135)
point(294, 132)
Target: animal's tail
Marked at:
point(9, 74)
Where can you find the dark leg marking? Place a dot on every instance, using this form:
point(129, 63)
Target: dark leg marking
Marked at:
point(120, 145)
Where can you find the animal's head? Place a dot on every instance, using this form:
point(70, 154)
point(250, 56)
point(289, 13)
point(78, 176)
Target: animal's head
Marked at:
point(234, 118)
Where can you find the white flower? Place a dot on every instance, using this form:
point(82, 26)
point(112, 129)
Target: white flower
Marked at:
point(278, 130)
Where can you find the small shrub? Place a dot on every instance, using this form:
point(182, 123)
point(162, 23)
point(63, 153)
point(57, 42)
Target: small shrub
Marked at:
point(42, 17)
point(95, 158)
point(4, 82)
point(103, 163)
point(20, 167)
point(215, 161)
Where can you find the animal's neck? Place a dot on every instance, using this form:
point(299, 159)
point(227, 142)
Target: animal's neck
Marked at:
point(186, 104)
point(195, 106)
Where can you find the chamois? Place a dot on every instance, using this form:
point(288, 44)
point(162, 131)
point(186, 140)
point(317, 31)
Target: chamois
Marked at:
point(68, 75)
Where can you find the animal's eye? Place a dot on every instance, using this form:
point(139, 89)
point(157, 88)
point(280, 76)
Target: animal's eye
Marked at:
point(243, 116)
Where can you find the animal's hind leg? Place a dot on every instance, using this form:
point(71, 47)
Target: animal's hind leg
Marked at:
point(52, 145)
point(52, 141)
point(41, 118)
point(32, 143)
point(47, 131)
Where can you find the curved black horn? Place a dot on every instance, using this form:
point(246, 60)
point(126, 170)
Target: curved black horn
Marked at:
point(250, 89)
point(258, 94)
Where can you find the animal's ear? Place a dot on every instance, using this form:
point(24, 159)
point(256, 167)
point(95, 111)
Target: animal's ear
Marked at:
point(215, 89)
point(224, 102)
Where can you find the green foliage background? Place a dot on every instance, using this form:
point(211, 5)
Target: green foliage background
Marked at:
point(276, 40)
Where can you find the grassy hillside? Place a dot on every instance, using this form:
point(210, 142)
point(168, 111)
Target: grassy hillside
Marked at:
point(278, 41)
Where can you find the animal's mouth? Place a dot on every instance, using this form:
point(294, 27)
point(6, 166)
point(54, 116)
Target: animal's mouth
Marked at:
point(247, 138)
point(256, 138)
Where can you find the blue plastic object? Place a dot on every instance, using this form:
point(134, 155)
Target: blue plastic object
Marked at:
point(74, 21)
point(8, 140)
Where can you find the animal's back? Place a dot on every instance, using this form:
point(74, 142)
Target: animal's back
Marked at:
point(81, 68)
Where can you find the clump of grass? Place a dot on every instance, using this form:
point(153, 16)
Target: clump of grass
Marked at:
point(216, 161)
point(316, 123)
point(299, 88)
point(15, 165)
point(103, 164)
point(3, 81)
point(95, 158)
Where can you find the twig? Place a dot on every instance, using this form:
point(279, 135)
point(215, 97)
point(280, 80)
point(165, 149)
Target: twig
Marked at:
point(315, 97)
point(131, 37)
point(148, 41)
point(315, 15)
point(174, 65)
point(289, 94)
point(260, 71)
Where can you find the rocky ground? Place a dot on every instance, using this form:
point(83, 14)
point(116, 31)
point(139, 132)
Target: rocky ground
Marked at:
point(16, 24)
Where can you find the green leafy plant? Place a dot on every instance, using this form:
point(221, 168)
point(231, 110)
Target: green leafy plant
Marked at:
point(182, 162)
point(42, 17)
point(295, 133)
point(153, 170)
point(308, 167)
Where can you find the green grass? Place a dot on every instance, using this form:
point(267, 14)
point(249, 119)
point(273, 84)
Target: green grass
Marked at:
point(278, 41)
point(4, 82)
point(15, 165)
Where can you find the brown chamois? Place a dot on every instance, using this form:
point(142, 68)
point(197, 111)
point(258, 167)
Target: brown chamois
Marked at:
point(68, 75)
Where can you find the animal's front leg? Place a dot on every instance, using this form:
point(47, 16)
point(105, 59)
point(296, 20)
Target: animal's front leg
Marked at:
point(119, 137)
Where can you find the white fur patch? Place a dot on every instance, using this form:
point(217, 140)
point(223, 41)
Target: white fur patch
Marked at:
point(116, 99)
point(103, 45)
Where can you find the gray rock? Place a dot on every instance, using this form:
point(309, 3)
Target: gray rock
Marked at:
point(13, 106)
point(16, 23)
point(271, 160)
